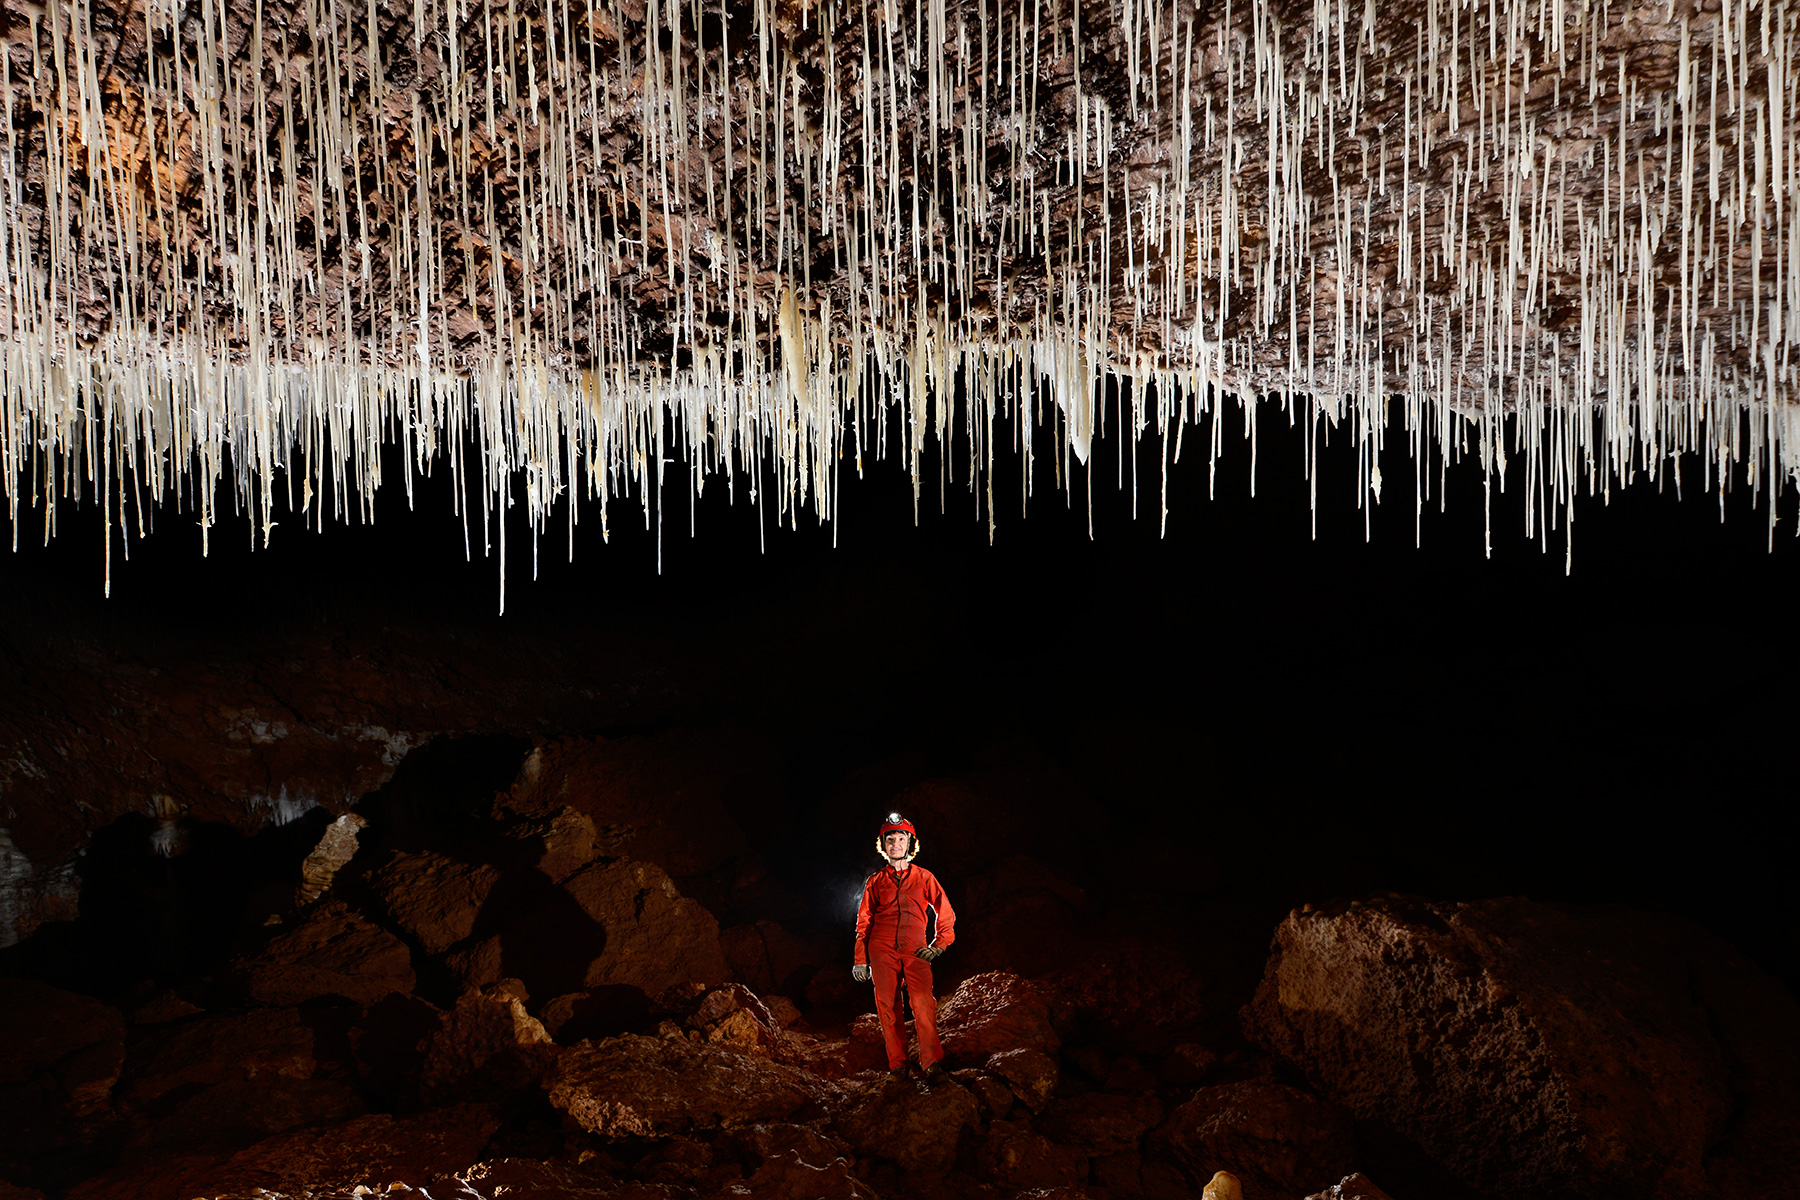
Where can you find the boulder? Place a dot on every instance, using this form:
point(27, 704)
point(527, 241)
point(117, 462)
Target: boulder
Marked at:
point(666, 798)
point(633, 1086)
point(655, 936)
point(1351, 1187)
point(378, 1153)
point(1031, 1073)
point(564, 841)
point(238, 1113)
point(907, 1123)
point(261, 1044)
point(432, 898)
point(486, 1045)
point(334, 952)
point(786, 1176)
point(1540, 1050)
point(1279, 1141)
point(992, 1012)
point(765, 956)
point(60, 1054)
point(478, 963)
point(1014, 1156)
point(1097, 1123)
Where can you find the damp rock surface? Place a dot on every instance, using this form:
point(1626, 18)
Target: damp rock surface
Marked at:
point(634, 1086)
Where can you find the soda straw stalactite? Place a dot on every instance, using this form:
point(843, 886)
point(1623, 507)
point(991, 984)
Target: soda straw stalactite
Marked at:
point(558, 246)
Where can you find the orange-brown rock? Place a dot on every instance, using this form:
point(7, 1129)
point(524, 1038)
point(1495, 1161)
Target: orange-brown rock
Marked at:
point(666, 798)
point(654, 936)
point(1352, 1187)
point(60, 1054)
point(486, 1046)
point(261, 1044)
point(379, 1152)
point(633, 1086)
point(903, 1120)
point(1031, 1073)
point(1541, 1050)
point(335, 951)
point(1098, 1123)
point(1015, 1156)
point(992, 1012)
point(1279, 1141)
point(432, 897)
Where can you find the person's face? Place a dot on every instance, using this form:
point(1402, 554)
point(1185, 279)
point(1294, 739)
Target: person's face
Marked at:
point(894, 844)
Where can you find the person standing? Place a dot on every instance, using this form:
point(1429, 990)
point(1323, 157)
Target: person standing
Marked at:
point(902, 924)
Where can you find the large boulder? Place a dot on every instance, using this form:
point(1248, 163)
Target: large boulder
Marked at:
point(655, 937)
point(671, 798)
point(1279, 1141)
point(991, 1012)
point(60, 1054)
point(487, 1045)
point(910, 1124)
point(334, 952)
point(1099, 1123)
point(1540, 1050)
point(632, 1086)
point(433, 898)
point(1015, 1156)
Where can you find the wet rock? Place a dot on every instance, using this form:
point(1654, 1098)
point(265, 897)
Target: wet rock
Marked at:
point(655, 936)
point(787, 1176)
point(337, 846)
point(1014, 1156)
point(1544, 1051)
point(335, 952)
point(902, 1120)
point(992, 1012)
point(1279, 1141)
point(433, 898)
point(487, 1045)
point(766, 957)
point(633, 1086)
point(1098, 1123)
point(378, 1152)
point(1351, 1187)
point(762, 1141)
point(665, 798)
point(1032, 1074)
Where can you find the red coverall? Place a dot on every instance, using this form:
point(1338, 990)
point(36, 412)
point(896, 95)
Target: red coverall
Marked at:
point(891, 923)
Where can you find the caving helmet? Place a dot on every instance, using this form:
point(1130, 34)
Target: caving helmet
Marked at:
point(895, 823)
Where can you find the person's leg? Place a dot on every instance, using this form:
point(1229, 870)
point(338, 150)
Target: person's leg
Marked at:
point(924, 1007)
point(887, 973)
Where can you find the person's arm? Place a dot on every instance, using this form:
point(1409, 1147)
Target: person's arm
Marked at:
point(946, 921)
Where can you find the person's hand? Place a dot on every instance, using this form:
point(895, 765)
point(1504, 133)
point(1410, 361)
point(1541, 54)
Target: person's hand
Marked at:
point(860, 972)
point(928, 953)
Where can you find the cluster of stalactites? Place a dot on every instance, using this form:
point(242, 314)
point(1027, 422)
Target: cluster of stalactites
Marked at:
point(561, 244)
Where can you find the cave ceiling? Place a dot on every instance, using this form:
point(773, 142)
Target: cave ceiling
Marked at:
point(573, 252)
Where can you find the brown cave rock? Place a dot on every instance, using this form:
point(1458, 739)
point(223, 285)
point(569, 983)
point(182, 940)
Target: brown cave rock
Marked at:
point(486, 1047)
point(432, 898)
point(633, 1086)
point(60, 1055)
point(992, 1012)
point(1280, 1141)
point(335, 951)
point(902, 1120)
point(765, 956)
point(1014, 1156)
point(1031, 1073)
point(654, 936)
point(1099, 1124)
point(1352, 1187)
point(1530, 1048)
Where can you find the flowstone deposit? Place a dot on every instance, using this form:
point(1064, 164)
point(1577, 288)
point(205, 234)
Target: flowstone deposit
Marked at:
point(556, 246)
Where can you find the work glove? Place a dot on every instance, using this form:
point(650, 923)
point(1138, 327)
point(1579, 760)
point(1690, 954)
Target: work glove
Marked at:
point(928, 953)
point(860, 972)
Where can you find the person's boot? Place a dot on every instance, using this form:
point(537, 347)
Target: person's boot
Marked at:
point(934, 1073)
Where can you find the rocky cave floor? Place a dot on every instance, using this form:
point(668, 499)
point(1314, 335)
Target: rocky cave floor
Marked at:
point(585, 972)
